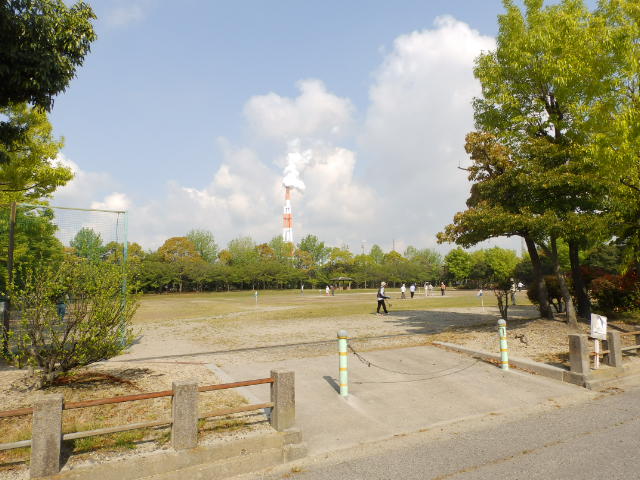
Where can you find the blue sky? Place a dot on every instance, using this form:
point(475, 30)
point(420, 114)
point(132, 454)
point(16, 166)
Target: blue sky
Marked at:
point(184, 114)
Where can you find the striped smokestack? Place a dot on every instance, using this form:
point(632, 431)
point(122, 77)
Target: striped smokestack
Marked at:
point(287, 218)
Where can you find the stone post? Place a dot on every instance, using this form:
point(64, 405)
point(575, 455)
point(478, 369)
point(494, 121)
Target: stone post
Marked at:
point(46, 436)
point(579, 353)
point(283, 414)
point(184, 430)
point(614, 345)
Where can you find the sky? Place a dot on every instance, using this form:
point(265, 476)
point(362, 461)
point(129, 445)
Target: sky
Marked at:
point(187, 113)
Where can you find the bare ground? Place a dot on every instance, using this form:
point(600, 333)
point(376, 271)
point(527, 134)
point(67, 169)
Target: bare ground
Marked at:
point(168, 351)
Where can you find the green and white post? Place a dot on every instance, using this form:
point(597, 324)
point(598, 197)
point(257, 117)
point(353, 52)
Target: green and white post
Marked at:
point(504, 349)
point(343, 340)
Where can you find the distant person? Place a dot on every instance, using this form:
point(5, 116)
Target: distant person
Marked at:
point(412, 289)
point(327, 290)
point(520, 286)
point(513, 293)
point(403, 290)
point(443, 287)
point(426, 289)
point(302, 289)
point(381, 298)
point(333, 290)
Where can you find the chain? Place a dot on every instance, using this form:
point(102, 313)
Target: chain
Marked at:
point(368, 363)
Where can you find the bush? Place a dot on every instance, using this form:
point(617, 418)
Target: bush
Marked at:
point(553, 291)
point(70, 315)
point(617, 293)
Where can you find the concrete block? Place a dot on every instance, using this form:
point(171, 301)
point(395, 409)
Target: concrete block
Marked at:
point(614, 345)
point(46, 436)
point(184, 431)
point(295, 451)
point(283, 414)
point(292, 435)
point(579, 353)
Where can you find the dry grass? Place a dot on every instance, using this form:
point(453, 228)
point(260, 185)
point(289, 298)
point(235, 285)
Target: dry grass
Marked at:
point(108, 381)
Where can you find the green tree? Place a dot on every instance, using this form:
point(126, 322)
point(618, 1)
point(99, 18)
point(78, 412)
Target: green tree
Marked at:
point(29, 172)
point(319, 252)
point(88, 244)
point(42, 43)
point(205, 244)
point(377, 254)
point(458, 264)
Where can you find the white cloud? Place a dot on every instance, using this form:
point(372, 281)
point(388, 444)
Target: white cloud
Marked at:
point(413, 136)
point(401, 184)
point(315, 113)
point(125, 13)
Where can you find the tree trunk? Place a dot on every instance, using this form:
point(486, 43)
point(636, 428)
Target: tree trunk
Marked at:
point(584, 303)
point(543, 297)
point(566, 295)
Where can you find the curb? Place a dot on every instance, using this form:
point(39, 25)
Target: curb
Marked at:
point(218, 461)
point(530, 366)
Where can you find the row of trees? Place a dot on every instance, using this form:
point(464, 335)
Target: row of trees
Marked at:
point(555, 154)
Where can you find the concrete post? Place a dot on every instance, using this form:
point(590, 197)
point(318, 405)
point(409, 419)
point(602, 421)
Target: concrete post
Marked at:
point(614, 344)
point(46, 436)
point(283, 414)
point(579, 353)
point(184, 430)
point(343, 375)
point(504, 349)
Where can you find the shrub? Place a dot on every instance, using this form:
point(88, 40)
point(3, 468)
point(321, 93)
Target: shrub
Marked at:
point(70, 315)
point(617, 293)
point(553, 291)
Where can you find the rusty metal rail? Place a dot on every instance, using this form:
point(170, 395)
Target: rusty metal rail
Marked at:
point(140, 396)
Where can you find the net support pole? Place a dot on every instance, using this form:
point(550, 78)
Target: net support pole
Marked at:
point(6, 315)
point(125, 255)
point(343, 339)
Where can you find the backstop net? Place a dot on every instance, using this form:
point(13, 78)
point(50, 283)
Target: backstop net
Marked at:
point(36, 234)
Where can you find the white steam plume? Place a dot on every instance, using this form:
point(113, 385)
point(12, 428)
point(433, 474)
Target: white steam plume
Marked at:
point(296, 161)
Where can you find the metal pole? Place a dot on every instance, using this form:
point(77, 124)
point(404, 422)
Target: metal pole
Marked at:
point(125, 256)
point(596, 359)
point(504, 350)
point(343, 339)
point(6, 315)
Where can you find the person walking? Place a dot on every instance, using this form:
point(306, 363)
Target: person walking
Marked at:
point(327, 290)
point(426, 289)
point(412, 289)
point(443, 287)
point(403, 290)
point(381, 298)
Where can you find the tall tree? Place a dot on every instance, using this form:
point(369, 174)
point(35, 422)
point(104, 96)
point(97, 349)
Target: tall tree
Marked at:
point(205, 244)
point(30, 171)
point(42, 43)
point(88, 244)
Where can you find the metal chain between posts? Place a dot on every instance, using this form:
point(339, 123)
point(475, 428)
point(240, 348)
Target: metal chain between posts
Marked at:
point(371, 364)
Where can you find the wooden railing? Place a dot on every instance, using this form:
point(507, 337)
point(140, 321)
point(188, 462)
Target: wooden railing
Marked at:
point(46, 429)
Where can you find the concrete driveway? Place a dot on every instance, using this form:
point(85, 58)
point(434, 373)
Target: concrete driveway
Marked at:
point(435, 387)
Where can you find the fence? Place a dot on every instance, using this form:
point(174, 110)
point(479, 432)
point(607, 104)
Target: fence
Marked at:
point(46, 431)
point(43, 234)
point(580, 353)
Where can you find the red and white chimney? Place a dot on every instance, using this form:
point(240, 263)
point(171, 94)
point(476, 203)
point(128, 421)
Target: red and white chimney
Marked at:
point(287, 218)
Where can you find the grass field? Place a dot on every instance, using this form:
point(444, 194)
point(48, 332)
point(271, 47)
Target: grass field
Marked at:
point(291, 304)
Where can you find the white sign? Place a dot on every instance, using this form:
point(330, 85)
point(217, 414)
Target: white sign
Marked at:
point(598, 327)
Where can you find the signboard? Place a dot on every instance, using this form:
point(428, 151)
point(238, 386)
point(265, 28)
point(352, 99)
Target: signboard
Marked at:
point(598, 327)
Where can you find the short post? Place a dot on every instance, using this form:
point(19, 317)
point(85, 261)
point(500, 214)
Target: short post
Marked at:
point(504, 349)
point(343, 376)
point(46, 436)
point(578, 353)
point(283, 397)
point(614, 344)
point(637, 337)
point(184, 429)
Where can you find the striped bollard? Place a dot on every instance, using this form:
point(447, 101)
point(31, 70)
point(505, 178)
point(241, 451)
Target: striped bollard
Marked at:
point(342, 352)
point(504, 350)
